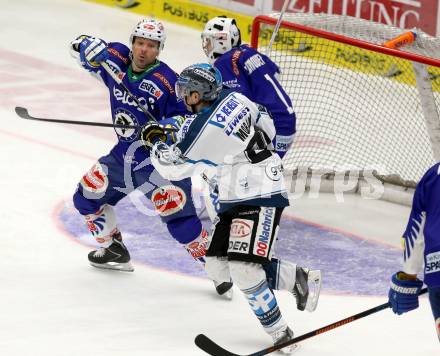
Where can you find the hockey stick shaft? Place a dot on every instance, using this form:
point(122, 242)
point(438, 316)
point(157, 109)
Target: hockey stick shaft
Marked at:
point(210, 347)
point(117, 77)
point(24, 114)
point(277, 26)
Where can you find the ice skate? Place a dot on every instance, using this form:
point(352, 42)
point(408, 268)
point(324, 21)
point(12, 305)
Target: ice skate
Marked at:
point(307, 288)
point(282, 336)
point(224, 289)
point(116, 256)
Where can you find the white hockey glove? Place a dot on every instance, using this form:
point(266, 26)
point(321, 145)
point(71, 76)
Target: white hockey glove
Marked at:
point(167, 154)
point(92, 51)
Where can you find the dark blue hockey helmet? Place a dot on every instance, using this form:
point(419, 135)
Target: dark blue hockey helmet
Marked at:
point(202, 78)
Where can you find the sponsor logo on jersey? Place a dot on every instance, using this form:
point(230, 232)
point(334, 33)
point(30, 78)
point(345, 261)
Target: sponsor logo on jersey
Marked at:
point(432, 262)
point(151, 88)
point(95, 180)
point(125, 117)
point(164, 81)
point(240, 236)
point(253, 63)
point(234, 59)
point(168, 199)
point(241, 228)
point(264, 231)
point(125, 99)
point(233, 83)
point(117, 54)
point(197, 248)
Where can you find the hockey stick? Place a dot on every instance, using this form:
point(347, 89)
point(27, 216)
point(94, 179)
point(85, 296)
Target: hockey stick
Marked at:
point(117, 77)
point(277, 26)
point(24, 114)
point(210, 347)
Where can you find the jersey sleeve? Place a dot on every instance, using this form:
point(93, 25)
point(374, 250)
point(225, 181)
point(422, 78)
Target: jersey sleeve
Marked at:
point(118, 61)
point(413, 239)
point(266, 90)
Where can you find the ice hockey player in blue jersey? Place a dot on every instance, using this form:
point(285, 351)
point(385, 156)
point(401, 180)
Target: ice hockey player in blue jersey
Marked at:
point(421, 241)
point(251, 73)
point(230, 134)
point(127, 166)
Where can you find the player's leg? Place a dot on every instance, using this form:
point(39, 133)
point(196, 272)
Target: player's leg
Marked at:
point(252, 238)
point(174, 204)
point(305, 284)
point(94, 199)
point(434, 299)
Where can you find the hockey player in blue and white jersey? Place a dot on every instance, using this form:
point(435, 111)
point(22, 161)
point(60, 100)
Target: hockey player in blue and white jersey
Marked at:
point(251, 73)
point(127, 166)
point(421, 241)
point(231, 135)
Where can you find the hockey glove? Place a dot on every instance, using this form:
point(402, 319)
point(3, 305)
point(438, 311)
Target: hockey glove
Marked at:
point(92, 51)
point(167, 154)
point(151, 133)
point(174, 122)
point(404, 293)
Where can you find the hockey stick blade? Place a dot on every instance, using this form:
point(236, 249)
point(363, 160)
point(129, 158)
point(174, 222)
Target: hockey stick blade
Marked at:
point(24, 114)
point(211, 348)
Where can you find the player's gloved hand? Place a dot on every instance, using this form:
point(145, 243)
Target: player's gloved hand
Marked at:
point(166, 154)
point(175, 123)
point(282, 144)
point(92, 51)
point(404, 293)
point(152, 133)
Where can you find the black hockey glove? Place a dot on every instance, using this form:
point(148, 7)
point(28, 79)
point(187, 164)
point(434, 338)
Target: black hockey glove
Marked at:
point(151, 133)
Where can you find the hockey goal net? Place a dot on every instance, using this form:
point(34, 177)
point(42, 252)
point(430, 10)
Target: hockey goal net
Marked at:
point(359, 106)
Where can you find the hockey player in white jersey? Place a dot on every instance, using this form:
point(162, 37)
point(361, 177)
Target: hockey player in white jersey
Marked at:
point(232, 135)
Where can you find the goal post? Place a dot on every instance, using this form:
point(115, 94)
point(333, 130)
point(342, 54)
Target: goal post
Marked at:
point(362, 108)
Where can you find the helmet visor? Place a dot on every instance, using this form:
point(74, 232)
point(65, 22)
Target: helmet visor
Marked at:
point(181, 87)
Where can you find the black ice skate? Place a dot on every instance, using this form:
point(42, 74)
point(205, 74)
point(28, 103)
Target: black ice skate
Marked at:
point(307, 288)
point(224, 289)
point(116, 256)
point(280, 337)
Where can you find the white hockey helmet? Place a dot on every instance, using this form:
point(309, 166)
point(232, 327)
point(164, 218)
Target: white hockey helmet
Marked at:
point(220, 35)
point(151, 30)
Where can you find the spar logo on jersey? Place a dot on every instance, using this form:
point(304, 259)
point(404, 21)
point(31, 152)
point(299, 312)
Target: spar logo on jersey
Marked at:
point(432, 262)
point(168, 200)
point(151, 88)
point(95, 180)
point(125, 117)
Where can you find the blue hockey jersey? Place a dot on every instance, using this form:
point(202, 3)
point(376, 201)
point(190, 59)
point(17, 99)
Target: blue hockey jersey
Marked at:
point(253, 74)
point(154, 88)
point(421, 238)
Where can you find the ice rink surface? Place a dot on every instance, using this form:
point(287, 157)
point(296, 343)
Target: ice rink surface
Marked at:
point(53, 303)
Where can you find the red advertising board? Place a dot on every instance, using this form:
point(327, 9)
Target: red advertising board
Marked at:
point(400, 13)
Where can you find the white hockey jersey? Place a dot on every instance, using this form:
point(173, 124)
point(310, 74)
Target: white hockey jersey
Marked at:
point(233, 136)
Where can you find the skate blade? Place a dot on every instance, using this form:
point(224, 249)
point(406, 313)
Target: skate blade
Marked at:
point(123, 267)
point(288, 350)
point(314, 279)
point(228, 295)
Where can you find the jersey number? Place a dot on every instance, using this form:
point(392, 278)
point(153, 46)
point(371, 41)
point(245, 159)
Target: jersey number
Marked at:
point(280, 94)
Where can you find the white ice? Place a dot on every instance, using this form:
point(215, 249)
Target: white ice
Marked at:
point(53, 303)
